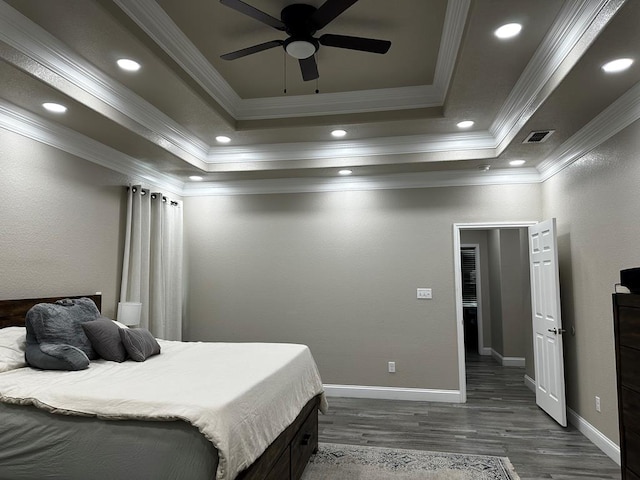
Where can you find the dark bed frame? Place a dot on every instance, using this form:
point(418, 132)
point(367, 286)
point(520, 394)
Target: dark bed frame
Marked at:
point(285, 459)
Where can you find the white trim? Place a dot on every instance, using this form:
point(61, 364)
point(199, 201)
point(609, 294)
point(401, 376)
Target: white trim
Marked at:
point(617, 116)
point(393, 393)
point(36, 43)
point(571, 35)
point(339, 184)
point(452, 31)
point(151, 18)
point(507, 361)
point(530, 383)
point(462, 146)
point(599, 439)
point(55, 135)
point(486, 351)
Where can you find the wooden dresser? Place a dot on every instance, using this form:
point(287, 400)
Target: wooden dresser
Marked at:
point(626, 314)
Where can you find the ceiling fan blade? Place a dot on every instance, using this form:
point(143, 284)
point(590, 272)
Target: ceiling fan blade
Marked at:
point(328, 11)
point(251, 50)
point(254, 13)
point(309, 68)
point(355, 43)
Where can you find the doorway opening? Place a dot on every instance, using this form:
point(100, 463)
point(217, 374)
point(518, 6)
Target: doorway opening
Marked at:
point(484, 339)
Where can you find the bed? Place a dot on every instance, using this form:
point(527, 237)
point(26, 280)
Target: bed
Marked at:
point(147, 419)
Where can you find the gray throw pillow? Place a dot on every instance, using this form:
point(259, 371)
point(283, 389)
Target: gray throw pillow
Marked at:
point(139, 343)
point(104, 336)
point(58, 326)
point(48, 356)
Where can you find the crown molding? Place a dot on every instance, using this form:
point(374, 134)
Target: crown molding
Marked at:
point(569, 37)
point(27, 124)
point(149, 16)
point(613, 119)
point(33, 41)
point(383, 99)
point(384, 182)
point(154, 21)
point(475, 144)
point(452, 31)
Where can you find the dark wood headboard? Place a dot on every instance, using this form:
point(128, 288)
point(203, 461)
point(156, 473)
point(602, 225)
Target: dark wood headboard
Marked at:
point(13, 312)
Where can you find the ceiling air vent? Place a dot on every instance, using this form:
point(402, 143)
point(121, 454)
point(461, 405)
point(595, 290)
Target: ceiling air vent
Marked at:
point(538, 137)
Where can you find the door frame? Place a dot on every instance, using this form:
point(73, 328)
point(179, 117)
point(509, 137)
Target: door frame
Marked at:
point(457, 273)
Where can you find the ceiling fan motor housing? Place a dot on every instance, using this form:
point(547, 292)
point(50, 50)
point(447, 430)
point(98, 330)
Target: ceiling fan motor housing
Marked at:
point(300, 28)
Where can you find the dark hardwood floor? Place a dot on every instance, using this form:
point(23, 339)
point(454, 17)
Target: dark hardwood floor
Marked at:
point(500, 418)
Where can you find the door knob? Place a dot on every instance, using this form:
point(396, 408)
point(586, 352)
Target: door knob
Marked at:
point(556, 331)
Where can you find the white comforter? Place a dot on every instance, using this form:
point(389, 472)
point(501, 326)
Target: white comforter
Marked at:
point(241, 396)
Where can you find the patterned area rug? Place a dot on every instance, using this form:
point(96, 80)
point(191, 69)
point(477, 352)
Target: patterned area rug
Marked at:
point(334, 461)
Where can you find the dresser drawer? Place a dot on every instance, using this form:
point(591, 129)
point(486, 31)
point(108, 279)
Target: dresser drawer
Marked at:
point(304, 444)
point(630, 368)
point(281, 469)
point(629, 326)
point(631, 410)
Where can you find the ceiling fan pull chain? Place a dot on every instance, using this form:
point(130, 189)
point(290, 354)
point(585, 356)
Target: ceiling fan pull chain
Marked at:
point(284, 57)
point(317, 79)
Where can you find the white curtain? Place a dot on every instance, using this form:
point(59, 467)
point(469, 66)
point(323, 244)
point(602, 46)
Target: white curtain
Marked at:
point(152, 263)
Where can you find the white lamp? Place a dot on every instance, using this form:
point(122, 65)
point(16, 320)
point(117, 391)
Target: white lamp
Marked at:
point(129, 313)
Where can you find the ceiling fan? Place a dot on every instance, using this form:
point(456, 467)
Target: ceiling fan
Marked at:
point(300, 22)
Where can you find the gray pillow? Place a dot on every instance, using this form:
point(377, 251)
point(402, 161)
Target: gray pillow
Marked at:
point(59, 324)
point(48, 356)
point(139, 343)
point(104, 336)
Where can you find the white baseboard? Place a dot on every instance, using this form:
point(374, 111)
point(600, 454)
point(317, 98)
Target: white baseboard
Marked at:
point(507, 361)
point(530, 383)
point(393, 393)
point(609, 448)
point(485, 351)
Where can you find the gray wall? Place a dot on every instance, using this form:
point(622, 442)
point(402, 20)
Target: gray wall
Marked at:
point(336, 270)
point(61, 221)
point(596, 203)
point(339, 271)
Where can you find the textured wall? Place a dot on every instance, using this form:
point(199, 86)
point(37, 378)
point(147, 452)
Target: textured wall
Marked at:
point(596, 204)
point(61, 223)
point(339, 271)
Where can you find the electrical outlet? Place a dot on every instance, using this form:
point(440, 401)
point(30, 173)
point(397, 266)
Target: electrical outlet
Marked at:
point(597, 403)
point(392, 367)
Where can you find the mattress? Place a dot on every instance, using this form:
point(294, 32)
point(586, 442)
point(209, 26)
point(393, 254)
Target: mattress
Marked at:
point(37, 444)
point(240, 397)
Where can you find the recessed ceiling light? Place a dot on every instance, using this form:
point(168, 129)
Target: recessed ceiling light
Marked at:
point(54, 107)
point(516, 163)
point(339, 133)
point(195, 178)
point(345, 171)
point(128, 65)
point(466, 124)
point(617, 65)
point(509, 30)
point(222, 139)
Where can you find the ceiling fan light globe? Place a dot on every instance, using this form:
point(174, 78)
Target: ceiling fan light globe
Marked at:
point(300, 49)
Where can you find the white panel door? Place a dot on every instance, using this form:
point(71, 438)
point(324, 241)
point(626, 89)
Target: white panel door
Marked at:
point(547, 324)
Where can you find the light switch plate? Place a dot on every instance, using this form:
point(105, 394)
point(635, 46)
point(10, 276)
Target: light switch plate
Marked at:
point(424, 293)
